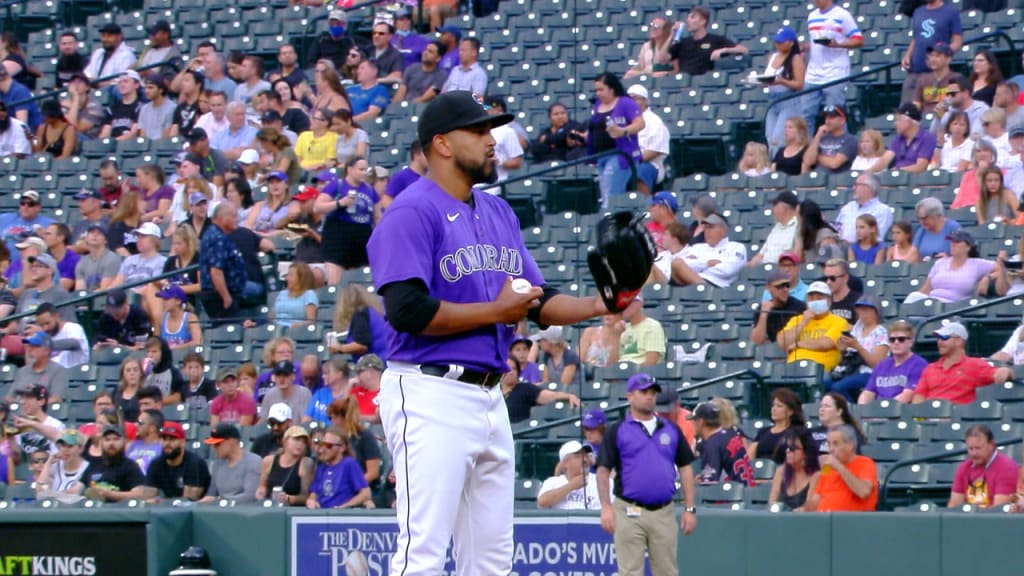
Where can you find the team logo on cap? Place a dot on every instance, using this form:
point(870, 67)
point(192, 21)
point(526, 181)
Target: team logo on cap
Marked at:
point(479, 100)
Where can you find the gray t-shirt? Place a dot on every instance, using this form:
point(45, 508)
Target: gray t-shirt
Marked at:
point(153, 120)
point(54, 377)
point(93, 271)
point(417, 81)
point(31, 299)
point(82, 226)
point(238, 483)
point(832, 145)
point(225, 85)
point(244, 94)
point(137, 267)
point(298, 400)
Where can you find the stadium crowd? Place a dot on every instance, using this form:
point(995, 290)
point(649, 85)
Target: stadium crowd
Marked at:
point(256, 225)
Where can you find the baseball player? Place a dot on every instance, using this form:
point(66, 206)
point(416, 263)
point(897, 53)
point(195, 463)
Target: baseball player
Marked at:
point(443, 259)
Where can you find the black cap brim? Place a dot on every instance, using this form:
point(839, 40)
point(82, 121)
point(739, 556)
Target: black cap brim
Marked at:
point(494, 120)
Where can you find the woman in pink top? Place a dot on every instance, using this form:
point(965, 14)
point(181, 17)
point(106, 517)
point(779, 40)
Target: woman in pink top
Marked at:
point(958, 276)
point(984, 157)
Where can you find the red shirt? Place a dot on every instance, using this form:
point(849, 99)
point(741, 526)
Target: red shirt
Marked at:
point(657, 231)
point(367, 400)
point(956, 383)
point(233, 410)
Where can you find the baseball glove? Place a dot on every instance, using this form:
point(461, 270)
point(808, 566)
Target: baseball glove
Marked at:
point(621, 261)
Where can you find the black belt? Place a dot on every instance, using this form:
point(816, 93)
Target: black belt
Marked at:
point(650, 507)
point(484, 379)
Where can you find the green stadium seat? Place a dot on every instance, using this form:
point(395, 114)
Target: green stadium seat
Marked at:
point(110, 355)
point(980, 411)
point(725, 493)
point(886, 451)
point(929, 410)
point(527, 490)
point(880, 410)
point(896, 430)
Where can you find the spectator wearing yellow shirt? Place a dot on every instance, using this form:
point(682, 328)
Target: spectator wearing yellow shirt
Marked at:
point(814, 335)
point(317, 147)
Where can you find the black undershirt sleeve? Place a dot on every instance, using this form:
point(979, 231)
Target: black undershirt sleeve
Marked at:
point(408, 306)
point(534, 313)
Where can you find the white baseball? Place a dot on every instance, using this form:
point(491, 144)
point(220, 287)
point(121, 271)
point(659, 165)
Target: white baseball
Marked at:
point(521, 286)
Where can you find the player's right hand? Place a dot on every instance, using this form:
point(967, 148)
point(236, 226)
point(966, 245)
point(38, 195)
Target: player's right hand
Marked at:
point(608, 518)
point(512, 306)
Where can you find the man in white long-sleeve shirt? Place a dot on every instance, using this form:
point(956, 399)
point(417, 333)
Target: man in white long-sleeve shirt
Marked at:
point(716, 261)
point(113, 57)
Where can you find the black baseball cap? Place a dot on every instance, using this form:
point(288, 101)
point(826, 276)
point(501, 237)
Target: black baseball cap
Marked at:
point(222, 432)
point(110, 28)
point(456, 110)
point(197, 134)
point(284, 367)
point(910, 111)
point(116, 298)
point(271, 116)
point(159, 26)
point(787, 197)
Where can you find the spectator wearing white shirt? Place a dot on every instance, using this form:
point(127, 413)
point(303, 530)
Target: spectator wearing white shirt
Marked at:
point(993, 125)
point(216, 120)
point(508, 153)
point(865, 201)
point(469, 74)
point(674, 239)
point(1014, 177)
point(69, 344)
point(575, 488)
point(782, 237)
point(113, 56)
point(654, 142)
point(833, 33)
point(716, 261)
point(13, 141)
point(957, 146)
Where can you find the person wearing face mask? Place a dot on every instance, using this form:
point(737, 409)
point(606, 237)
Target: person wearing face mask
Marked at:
point(406, 40)
point(332, 44)
point(814, 335)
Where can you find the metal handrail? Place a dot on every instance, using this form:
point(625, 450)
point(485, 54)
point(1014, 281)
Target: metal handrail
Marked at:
point(59, 91)
point(568, 164)
point(953, 313)
point(884, 485)
point(620, 407)
point(89, 296)
point(883, 68)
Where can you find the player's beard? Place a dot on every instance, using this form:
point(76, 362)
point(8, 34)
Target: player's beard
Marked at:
point(485, 173)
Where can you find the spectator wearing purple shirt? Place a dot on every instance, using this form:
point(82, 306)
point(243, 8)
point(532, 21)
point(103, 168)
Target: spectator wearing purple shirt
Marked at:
point(450, 37)
point(895, 378)
point(57, 237)
point(912, 148)
point(615, 122)
point(406, 40)
point(406, 176)
point(339, 481)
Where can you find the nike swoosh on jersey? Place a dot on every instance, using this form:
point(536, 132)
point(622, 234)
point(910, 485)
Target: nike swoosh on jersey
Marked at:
point(453, 217)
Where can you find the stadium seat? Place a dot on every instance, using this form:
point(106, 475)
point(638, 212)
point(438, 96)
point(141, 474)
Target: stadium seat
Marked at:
point(886, 451)
point(896, 430)
point(981, 411)
point(764, 470)
point(929, 410)
point(724, 494)
point(527, 490)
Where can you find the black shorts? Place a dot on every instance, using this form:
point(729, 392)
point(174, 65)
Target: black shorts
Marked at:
point(344, 243)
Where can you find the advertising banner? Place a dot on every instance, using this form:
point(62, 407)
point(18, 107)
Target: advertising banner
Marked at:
point(363, 546)
point(70, 549)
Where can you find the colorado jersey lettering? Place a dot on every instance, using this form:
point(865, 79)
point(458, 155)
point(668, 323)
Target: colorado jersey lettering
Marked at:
point(478, 258)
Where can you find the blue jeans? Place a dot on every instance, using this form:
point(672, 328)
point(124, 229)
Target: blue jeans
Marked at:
point(847, 386)
point(252, 290)
point(813, 102)
point(775, 121)
point(612, 178)
point(647, 174)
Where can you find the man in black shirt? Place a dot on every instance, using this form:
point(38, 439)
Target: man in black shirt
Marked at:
point(279, 419)
point(250, 244)
point(70, 60)
point(723, 456)
point(211, 162)
point(844, 296)
point(775, 313)
point(122, 323)
point(521, 396)
point(187, 112)
point(333, 43)
point(178, 473)
point(123, 114)
point(696, 54)
point(113, 478)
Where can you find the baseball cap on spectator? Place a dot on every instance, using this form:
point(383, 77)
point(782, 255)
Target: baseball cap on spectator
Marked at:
point(172, 430)
point(785, 34)
point(666, 399)
point(868, 301)
point(159, 26)
point(277, 175)
point(551, 334)
point(456, 110)
point(641, 381)
point(248, 156)
point(97, 228)
point(179, 158)
point(819, 287)
point(30, 195)
point(776, 276)
point(148, 229)
point(952, 329)
point(37, 391)
point(133, 75)
point(593, 419)
point(69, 437)
point(666, 199)
point(296, 432)
point(368, 361)
point(76, 76)
point(307, 193)
point(285, 367)
point(705, 204)
point(116, 298)
point(86, 193)
point(173, 292)
point(222, 432)
point(961, 235)
point(45, 260)
point(910, 111)
point(110, 28)
point(705, 411)
point(338, 15)
point(453, 30)
point(786, 197)
point(197, 135)
point(714, 220)
point(30, 242)
point(38, 339)
point(791, 256)
point(271, 116)
point(834, 110)
point(280, 412)
point(324, 176)
point(941, 48)
point(225, 373)
point(573, 447)
point(638, 90)
point(196, 198)
point(113, 429)
point(1017, 131)
point(517, 339)
point(403, 13)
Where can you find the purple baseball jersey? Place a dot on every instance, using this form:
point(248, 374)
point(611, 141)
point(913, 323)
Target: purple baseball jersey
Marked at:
point(366, 199)
point(463, 254)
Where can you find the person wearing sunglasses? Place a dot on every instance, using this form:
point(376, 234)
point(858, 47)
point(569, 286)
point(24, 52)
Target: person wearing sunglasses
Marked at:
point(844, 298)
point(338, 481)
point(799, 474)
point(776, 312)
point(29, 216)
point(955, 376)
point(716, 261)
point(895, 377)
point(958, 97)
point(653, 57)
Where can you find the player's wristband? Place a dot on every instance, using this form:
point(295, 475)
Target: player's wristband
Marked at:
point(690, 510)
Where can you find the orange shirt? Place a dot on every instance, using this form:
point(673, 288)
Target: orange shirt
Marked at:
point(836, 496)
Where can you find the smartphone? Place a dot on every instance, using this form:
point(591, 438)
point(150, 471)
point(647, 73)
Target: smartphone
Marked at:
point(848, 334)
point(1013, 265)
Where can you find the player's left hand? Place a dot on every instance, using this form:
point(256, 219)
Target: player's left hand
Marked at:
point(688, 523)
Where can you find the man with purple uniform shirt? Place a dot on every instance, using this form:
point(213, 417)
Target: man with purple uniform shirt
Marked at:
point(443, 258)
point(407, 176)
